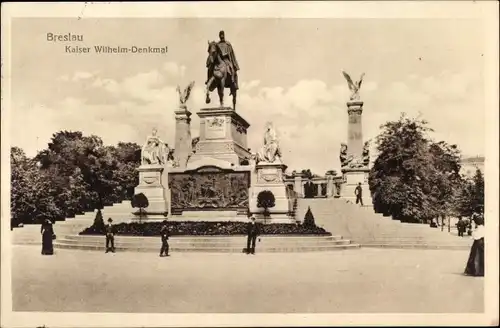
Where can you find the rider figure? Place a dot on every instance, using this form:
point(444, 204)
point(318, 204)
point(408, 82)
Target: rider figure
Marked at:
point(226, 52)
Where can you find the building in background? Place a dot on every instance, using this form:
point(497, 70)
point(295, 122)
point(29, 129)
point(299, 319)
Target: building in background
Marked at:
point(471, 164)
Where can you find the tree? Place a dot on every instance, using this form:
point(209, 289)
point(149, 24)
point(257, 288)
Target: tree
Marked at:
point(74, 174)
point(140, 201)
point(398, 177)
point(478, 195)
point(414, 179)
point(33, 195)
point(107, 172)
point(265, 200)
point(444, 168)
point(307, 174)
point(128, 157)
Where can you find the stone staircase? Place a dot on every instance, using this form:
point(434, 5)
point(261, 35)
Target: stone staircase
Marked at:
point(68, 238)
point(212, 244)
point(363, 226)
point(29, 234)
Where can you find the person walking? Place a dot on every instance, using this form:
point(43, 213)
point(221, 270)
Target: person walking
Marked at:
point(475, 263)
point(359, 194)
point(48, 237)
point(164, 239)
point(110, 236)
point(253, 231)
point(461, 227)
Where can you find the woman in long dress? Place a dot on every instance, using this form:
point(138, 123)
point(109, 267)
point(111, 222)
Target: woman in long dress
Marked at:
point(475, 264)
point(47, 237)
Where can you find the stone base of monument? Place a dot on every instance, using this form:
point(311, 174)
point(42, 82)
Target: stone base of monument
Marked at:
point(269, 176)
point(352, 178)
point(223, 136)
point(150, 184)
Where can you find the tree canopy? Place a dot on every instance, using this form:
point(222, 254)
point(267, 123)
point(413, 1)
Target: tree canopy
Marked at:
point(414, 178)
point(76, 173)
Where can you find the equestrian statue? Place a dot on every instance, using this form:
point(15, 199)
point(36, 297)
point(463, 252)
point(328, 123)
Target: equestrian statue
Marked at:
point(222, 69)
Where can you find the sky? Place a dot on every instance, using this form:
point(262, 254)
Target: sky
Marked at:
point(290, 75)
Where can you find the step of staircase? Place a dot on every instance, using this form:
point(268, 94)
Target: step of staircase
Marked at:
point(216, 250)
point(215, 244)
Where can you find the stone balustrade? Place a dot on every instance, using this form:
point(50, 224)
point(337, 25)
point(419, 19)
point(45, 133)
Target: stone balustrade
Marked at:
point(315, 187)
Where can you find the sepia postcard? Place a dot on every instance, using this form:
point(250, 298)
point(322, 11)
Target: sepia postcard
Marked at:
point(209, 164)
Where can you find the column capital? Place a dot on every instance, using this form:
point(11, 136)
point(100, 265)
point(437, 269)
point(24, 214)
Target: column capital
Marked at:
point(354, 107)
point(182, 111)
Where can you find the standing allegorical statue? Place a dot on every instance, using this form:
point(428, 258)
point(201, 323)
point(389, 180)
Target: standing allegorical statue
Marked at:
point(184, 96)
point(366, 153)
point(271, 151)
point(344, 158)
point(354, 86)
point(222, 69)
point(154, 151)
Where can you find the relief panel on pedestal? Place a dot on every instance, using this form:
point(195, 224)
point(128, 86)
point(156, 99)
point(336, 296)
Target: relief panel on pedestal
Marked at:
point(269, 176)
point(209, 190)
point(149, 178)
point(214, 147)
point(215, 128)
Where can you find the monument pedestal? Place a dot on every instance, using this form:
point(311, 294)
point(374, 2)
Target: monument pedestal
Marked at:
point(212, 186)
point(270, 177)
point(150, 184)
point(223, 136)
point(352, 178)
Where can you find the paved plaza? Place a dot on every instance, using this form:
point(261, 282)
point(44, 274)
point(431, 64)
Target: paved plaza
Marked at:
point(365, 280)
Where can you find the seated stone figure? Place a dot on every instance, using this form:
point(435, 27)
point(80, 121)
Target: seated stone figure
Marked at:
point(270, 152)
point(154, 151)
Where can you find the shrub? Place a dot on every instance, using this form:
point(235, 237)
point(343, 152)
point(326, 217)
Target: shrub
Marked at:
point(191, 228)
point(99, 224)
point(140, 201)
point(265, 200)
point(309, 219)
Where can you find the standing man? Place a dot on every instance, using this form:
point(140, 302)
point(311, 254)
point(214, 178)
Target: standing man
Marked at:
point(359, 194)
point(253, 231)
point(164, 239)
point(227, 54)
point(460, 227)
point(110, 236)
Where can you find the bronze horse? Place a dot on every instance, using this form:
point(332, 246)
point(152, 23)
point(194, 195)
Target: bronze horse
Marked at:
point(218, 75)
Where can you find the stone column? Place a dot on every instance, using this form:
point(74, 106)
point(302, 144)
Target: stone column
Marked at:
point(318, 189)
point(298, 186)
point(356, 172)
point(355, 129)
point(183, 140)
point(329, 185)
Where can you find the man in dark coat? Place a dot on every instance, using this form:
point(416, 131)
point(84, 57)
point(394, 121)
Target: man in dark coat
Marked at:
point(359, 194)
point(110, 236)
point(164, 239)
point(461, 227)
point(253, 231)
